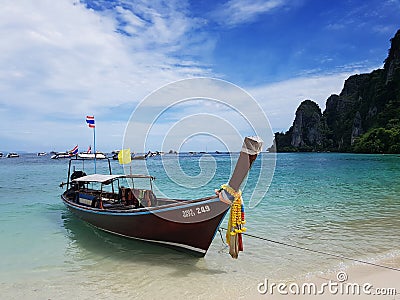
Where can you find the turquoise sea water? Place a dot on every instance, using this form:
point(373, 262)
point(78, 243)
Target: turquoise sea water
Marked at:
point(345, 204)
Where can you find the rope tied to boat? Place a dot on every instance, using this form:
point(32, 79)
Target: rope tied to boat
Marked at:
point(319, 251)
point(236, 221)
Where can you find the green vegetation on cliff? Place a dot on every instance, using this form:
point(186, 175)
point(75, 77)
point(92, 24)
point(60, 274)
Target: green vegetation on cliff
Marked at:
point(379, 140)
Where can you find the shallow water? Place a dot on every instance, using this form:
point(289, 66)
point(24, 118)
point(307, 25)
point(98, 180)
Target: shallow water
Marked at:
point(345, 204)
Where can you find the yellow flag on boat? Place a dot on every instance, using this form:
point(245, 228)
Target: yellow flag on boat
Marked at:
point(124, 156)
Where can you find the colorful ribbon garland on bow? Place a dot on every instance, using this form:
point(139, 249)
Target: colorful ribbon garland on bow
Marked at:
point(236, 222)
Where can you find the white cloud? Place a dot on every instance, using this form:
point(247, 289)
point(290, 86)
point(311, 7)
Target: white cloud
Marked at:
point(235, 12)
point(281, 99)
point(62, 60)
point(202, 104)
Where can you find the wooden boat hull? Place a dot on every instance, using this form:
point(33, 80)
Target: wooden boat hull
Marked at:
point(189, 226)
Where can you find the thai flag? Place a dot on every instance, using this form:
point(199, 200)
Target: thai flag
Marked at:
point(74, 151)
point(90, 121)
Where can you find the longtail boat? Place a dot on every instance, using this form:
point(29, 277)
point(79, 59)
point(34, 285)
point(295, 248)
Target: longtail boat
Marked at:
point(137, 213)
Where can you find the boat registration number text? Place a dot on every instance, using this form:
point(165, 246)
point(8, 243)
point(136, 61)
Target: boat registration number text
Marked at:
point(187, 213)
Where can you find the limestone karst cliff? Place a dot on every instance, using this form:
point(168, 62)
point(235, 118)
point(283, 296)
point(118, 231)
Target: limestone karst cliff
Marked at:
point(364, 117)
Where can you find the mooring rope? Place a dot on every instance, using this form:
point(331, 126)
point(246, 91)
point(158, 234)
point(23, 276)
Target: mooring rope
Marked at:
point(223, 241)
point(320, 252)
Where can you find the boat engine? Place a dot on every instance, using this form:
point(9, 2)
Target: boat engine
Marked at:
point(75, 175)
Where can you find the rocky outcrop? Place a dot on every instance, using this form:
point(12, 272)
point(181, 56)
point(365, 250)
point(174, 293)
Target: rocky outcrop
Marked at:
point(341, 113)
point(366, 102)
point(307, 126)
point(357, 128)
point(392, 62)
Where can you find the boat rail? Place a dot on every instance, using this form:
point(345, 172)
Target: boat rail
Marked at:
point(76, 159)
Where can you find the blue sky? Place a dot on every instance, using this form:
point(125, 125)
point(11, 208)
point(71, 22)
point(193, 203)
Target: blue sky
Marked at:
point(61, 60)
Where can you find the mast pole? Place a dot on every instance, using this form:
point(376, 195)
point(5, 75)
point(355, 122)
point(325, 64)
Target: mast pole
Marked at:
point(94, 147)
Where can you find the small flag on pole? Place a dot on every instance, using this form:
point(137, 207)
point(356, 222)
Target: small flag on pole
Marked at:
point(74, 151)
point(124, 156)
point(90, 121)
point(89, 150)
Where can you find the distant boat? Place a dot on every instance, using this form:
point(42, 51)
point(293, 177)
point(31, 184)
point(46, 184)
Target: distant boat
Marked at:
point(85, 155)
point(66, 154)
point(147, 155)
point(12, 155)
point(41, 154)
point(89, 155)
point(135, 156)
point(219, 152)
point(138, 157)
point(152, 154)
point(58, 155)
point(1, 154)
point(115, 154)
